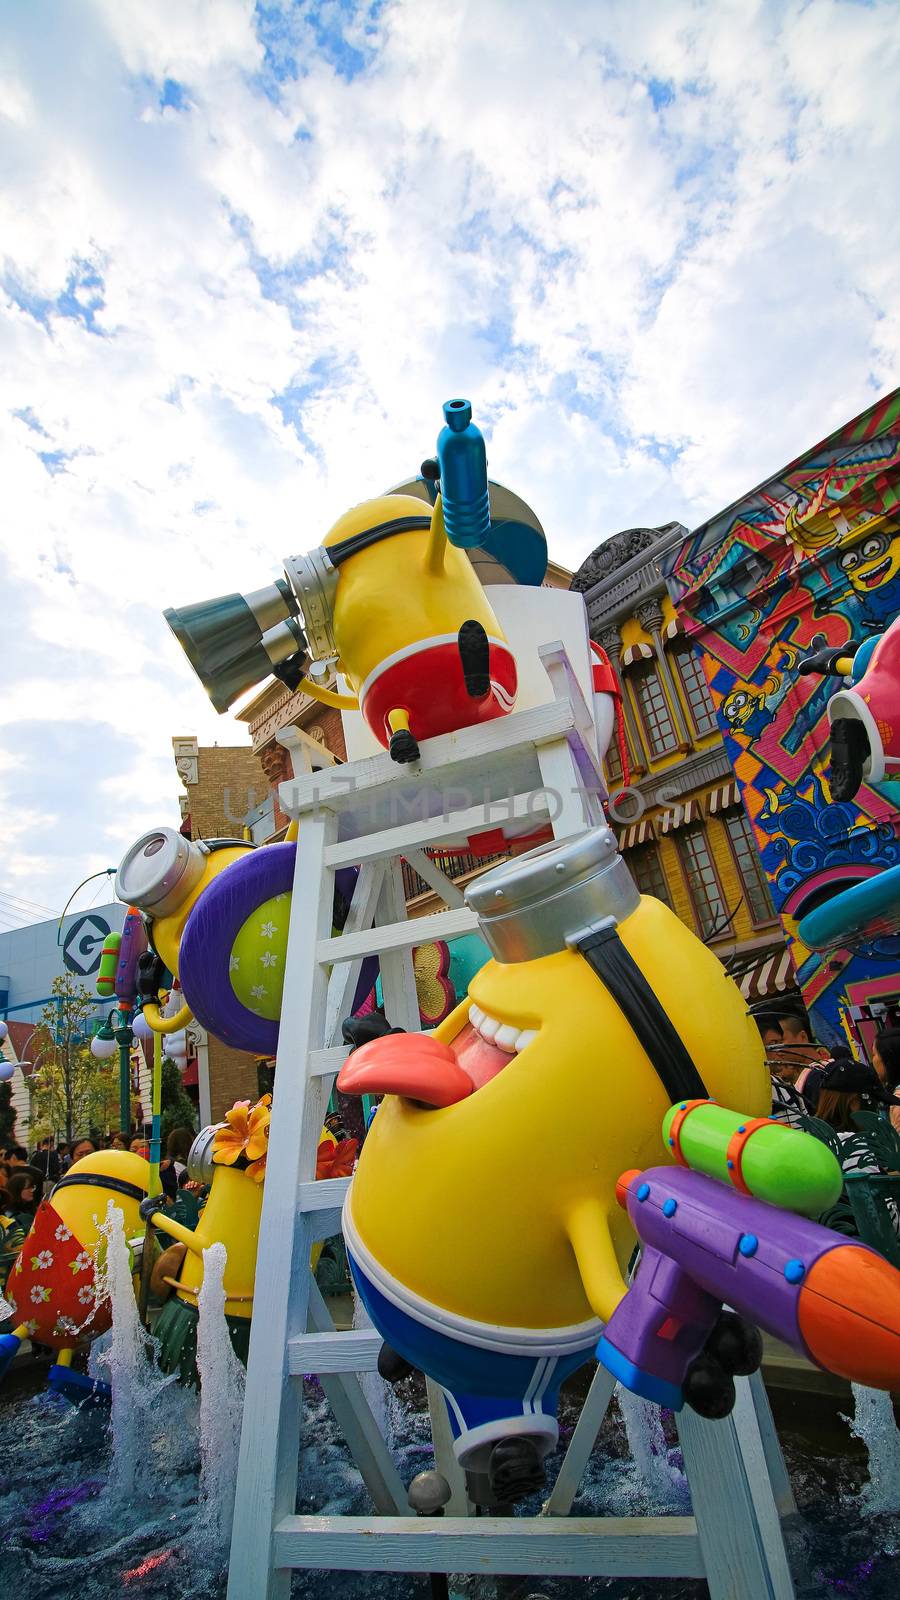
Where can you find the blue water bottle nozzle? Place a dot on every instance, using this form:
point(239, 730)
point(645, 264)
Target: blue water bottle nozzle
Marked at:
point(465, 496)
point(457, 414)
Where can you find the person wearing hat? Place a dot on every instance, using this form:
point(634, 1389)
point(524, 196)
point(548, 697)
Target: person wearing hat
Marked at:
point(797, 1064)
point(848, 1087)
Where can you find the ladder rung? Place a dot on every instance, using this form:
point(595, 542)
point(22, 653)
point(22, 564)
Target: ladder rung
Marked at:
point(396, 936)
point(468, 753)
point(577, 1546)
point(354, 1351)
point(323, 1062)
point(430, 830)
point(324, 1194)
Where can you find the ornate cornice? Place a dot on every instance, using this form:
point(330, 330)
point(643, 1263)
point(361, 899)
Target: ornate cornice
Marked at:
point(624, 569)
point(612, 554)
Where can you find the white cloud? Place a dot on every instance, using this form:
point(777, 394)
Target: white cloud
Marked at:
point(656, 242)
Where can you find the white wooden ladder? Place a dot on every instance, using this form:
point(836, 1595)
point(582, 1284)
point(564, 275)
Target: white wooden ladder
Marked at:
point(533, 767)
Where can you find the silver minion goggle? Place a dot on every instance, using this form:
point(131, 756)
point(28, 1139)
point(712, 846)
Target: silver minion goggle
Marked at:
point(161, 869)
point(314, 579)
point(235, 641)
point(200, 1164)
point(573, 894)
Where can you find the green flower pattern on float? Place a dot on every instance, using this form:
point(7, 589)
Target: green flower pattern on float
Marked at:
point(256, 967)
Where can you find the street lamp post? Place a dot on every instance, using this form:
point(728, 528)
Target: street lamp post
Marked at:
point(112, 1036)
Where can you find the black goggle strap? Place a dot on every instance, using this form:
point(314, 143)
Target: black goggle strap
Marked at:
point(617, 970)
point(337, 553)
point(119, 1185)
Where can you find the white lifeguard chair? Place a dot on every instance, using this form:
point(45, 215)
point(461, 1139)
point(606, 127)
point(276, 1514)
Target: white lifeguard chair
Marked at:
point(538, 766)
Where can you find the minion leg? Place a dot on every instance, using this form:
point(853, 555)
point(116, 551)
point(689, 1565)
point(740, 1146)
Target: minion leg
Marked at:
point(76, 1387)
point(475, 659)
point(9, 1345)
point(403, 746)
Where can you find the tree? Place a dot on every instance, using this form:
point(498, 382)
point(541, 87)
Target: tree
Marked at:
point(70, 1090)
point(177, 1108)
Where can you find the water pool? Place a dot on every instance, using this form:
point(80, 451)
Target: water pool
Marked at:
point(65, 1533)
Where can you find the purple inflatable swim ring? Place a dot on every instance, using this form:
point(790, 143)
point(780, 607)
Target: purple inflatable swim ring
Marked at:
point(211, 929)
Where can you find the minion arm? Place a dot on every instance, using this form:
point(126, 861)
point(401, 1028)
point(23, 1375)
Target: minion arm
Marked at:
point(437, 541)
point(328, 697)
point(176, 1231)
point(829, 662)
point(161, 1024)
point(590, 1238)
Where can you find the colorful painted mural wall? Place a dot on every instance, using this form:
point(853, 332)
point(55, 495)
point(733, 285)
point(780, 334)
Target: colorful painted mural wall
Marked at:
point(809, 559)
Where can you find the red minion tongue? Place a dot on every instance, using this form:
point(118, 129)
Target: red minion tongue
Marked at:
point(410, 1064)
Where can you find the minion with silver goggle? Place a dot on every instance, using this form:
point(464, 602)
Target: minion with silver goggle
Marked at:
point(390, 601)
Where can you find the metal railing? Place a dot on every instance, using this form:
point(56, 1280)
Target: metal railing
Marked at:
point(455, 866)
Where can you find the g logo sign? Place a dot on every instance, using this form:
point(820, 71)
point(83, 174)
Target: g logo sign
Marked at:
point(83, 944)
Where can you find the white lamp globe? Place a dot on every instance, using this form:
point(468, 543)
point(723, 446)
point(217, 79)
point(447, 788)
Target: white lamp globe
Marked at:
point(3, 1031)
point(141, 1028)
point(7, 1068)
point(103, 1049)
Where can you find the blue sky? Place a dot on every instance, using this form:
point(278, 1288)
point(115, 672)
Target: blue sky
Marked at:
point(246, 251)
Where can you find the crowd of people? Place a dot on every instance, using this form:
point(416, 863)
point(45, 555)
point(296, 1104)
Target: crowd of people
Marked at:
point(832, 1085)
point(24, 1177)
point(808, 1080)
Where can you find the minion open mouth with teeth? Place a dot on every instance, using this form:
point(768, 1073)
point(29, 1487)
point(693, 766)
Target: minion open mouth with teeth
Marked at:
point(872, 562)
point(481, 1224)
point(435, 1072)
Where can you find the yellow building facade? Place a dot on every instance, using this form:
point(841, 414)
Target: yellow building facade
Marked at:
point(679, 817)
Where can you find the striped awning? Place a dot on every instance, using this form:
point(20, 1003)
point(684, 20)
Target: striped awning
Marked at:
point(723, 799)
point(637, 833)
point(673, 630)
point(773, 974)
point(636, 652)
point(680, 816)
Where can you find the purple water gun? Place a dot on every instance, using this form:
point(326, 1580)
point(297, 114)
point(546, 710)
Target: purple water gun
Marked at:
point(708, 1243)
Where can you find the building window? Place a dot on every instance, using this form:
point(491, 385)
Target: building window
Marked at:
point(750, 868)
point(656, 718)
point(612, 761)
point(646, 869)
point(696, 690)
point(702, 881)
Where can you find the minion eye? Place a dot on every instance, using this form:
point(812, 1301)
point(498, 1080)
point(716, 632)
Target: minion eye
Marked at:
point(849, 560)
point(874, 547)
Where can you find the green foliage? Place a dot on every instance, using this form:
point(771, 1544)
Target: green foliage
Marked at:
point(177, 1108)
point(7, 1115)
point(70, 1091)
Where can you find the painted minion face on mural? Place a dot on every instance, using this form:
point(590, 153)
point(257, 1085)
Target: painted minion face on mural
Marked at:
point(872, 562)
point(749, 709)
point(739, 707)
point(747, 712)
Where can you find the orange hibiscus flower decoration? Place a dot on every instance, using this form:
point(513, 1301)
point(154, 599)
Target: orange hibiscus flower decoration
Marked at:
point(336, 1160)
point(246, 1134)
